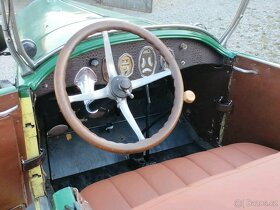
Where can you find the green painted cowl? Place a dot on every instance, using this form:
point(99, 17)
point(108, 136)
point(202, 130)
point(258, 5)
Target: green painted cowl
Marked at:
point(50, 24)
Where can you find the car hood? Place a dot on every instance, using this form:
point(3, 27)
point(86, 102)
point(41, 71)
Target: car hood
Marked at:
point(50, 24)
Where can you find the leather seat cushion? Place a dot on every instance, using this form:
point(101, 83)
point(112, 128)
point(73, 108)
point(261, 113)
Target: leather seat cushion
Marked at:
point(252, 186)
point(134, 188)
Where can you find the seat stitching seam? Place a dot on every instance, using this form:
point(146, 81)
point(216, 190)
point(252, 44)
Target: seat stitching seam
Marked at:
point(125, 199)
point(175, 174)
point(219, 156)
point(147, 182)
point(245, 153)
point(199, 166)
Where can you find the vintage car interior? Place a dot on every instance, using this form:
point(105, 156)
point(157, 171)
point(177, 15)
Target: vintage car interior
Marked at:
point(133, 117)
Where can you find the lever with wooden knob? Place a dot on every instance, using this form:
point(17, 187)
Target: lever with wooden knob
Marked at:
point(189, 96)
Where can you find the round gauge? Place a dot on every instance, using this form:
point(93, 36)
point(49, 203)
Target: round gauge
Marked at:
point(162, 61)
point(126, 64)
point(147, 61)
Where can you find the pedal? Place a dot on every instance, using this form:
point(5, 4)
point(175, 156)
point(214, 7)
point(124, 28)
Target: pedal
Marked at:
point(57, 130)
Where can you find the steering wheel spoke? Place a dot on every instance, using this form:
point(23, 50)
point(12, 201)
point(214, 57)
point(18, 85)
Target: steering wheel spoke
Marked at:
point(147, 80)
point(97, 94)
point(109, 56)
point(123, 106)
point(118, 87)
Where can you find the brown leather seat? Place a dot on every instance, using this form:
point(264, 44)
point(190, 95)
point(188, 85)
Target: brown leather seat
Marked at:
point(134, 188)
point(253, 186)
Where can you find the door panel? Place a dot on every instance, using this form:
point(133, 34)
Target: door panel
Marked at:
point(256, 105)
point(12, 151)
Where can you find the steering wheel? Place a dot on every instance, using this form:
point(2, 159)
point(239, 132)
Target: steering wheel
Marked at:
point(118, 88)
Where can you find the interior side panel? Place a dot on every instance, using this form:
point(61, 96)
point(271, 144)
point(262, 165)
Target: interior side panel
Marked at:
point(210, 84)
point(12, 151)
point(256, 105)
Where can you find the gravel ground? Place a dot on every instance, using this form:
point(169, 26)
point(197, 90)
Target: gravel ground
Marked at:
point(257, 34)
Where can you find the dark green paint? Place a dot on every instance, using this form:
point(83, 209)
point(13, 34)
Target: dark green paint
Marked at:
point(64, 197)
point(51, 23)
point(7, 90)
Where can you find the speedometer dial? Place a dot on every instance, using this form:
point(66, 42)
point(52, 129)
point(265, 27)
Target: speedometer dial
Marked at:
point(147, 61)
point(126, 64)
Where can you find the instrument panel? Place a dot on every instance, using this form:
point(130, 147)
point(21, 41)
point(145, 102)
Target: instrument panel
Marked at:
point(126, 65)
point(136, 60)
point(147, 61)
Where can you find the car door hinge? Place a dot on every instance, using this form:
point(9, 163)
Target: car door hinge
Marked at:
point(33, 162)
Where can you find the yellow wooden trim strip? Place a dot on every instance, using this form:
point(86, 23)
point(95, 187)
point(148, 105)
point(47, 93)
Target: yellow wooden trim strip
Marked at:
point(36, 179)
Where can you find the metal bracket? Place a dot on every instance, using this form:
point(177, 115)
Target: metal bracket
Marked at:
point(245, 71)
point(8, 111)
point(238, 16)
point(33, 162)
point(224, 105)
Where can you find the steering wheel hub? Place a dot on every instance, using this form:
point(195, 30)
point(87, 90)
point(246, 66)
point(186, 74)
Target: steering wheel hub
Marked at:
point(121, 87)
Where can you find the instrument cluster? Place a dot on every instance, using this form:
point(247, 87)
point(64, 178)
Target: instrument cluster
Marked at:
point(135, 60)
point(147, 63)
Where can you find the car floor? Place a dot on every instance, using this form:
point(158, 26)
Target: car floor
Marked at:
point(74, 156)
point(82, 180)
point(73, 162)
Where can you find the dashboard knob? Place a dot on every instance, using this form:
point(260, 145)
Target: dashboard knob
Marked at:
point(189, 97)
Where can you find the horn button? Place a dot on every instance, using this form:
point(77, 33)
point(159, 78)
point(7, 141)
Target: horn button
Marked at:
point(121, 87)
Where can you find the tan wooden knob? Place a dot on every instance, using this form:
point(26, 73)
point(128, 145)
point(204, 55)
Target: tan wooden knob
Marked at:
point(189, 96)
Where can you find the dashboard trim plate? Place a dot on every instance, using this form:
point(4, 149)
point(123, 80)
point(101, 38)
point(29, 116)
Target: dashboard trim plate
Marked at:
point(131, 63)
point(153, 65)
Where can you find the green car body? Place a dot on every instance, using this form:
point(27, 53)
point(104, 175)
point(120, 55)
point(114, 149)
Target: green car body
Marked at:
point(50, 35)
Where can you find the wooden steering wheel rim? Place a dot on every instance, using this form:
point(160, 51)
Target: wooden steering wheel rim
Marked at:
point(75, 123)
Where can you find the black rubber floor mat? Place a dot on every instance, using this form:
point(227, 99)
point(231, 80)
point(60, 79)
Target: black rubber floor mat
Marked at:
point(84, 179)
point(68, 157)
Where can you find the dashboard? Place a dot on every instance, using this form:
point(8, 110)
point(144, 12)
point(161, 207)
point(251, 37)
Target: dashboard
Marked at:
point(135, 60)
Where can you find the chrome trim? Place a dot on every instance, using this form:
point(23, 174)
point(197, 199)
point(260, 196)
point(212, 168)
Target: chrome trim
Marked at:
point(276, 65)
point(238, 16)
point(154, 27)
point(244, 71)
point(123, 106)
point(18, 43)
point(8, 111)
point(85, 80)
point(9, 40)
point(149, 79)
point(96, 95)
point(200, 25)
point(111, 69)
point(182, 27)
